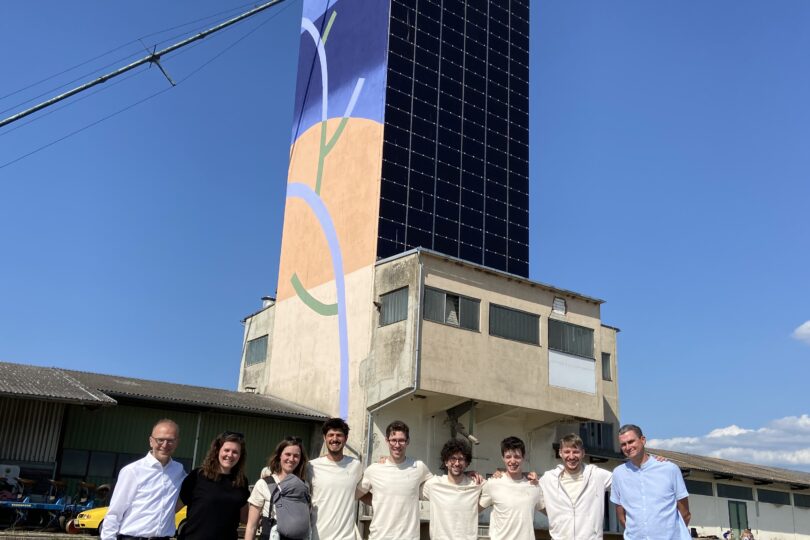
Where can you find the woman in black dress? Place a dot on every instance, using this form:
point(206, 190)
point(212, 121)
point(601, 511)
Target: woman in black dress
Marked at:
point(217, 492)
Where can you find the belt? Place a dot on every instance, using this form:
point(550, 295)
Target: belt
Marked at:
point(127, 537)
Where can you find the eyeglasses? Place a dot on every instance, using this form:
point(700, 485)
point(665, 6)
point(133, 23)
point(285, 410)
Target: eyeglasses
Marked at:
point(160, 441)
point(457, 459)
point(226, 434)
point(398, 442)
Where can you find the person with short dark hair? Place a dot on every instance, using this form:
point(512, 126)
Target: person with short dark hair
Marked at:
point(453, 496)
point(395, 486)
point(512, 496)
point(145, 496)
point(334, 478)
point(650, 496)
point(574, 494)
point(217, 492)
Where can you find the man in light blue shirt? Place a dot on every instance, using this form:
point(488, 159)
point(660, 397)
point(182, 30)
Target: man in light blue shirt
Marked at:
point(650, 496)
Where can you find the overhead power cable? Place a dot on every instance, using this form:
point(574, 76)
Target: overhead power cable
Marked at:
point(153, 58)
point(118, 48)
point(128, 107)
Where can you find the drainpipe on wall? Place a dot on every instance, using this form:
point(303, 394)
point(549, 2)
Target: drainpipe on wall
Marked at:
point(417, 359)
point(417, 368)
point(244, 346)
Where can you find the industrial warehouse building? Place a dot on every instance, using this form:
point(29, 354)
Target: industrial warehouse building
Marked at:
point(71, 425)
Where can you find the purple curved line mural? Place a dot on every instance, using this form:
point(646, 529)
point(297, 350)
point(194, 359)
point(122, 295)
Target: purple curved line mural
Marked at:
point(305, 193)
point(335, 172)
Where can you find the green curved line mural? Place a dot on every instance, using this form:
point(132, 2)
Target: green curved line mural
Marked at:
point(310, 301)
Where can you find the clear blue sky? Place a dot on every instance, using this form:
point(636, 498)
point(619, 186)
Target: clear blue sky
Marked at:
point(669, 172)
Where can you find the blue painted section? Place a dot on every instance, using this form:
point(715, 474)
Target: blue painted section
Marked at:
point(316, 204)
point(355, 49)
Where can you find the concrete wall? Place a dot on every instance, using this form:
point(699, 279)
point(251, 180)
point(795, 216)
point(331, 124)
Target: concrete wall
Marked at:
point(257, 325)
point(801, 517)
point(390, 366)
point(305, 361)
point(434, 359)
point(609, 389)
point(500, 370)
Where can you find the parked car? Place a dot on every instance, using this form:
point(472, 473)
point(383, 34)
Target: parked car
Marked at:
point(90, 521)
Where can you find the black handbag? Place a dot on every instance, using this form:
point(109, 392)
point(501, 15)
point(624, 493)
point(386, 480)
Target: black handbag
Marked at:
point(266, 524)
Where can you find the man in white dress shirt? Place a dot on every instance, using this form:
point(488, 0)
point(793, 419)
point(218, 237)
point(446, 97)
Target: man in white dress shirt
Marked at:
point(145, 496)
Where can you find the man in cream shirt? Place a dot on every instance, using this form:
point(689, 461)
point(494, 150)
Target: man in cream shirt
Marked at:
point(334, 478)
point(574, 494)
point(395, 487)
point(512, 496)
point(453, 497)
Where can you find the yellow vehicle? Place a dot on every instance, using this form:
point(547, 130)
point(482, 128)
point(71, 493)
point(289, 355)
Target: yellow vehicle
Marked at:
point(91, 520)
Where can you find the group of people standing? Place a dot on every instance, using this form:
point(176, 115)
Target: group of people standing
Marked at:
point(297, 499)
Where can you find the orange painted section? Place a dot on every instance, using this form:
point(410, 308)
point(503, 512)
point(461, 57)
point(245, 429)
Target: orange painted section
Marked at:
point(350, 189)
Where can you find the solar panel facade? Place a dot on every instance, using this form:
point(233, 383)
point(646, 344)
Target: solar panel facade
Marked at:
point(455, 171)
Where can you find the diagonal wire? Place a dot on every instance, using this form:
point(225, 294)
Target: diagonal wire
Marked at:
point(71, 102)
point(46, 79)
point(80, 64)
point(88, 126)
point(79, 78)
point(147, 98)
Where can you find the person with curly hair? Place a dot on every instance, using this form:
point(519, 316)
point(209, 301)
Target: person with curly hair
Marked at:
point(453, 496)
point(216, 493)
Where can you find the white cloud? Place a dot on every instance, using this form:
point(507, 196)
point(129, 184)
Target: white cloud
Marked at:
point(730, 431)
point(802, 333)
point(784, 442)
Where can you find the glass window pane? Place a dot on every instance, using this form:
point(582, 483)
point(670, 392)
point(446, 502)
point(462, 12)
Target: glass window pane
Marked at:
point(801, 500)
point(772, 496)
point(256, 351)
point(513, 324)
point(434, 305)
point(606, 368)
point(101, 464)
point(735, 492)
point(570, 338)
point(74, 462)
point(394, 306)
point(469, 313)
point(698, 487)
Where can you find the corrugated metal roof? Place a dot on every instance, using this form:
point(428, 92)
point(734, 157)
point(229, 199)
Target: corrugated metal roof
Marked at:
point(735, 469)
point(33, 382)
point(197, 396)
